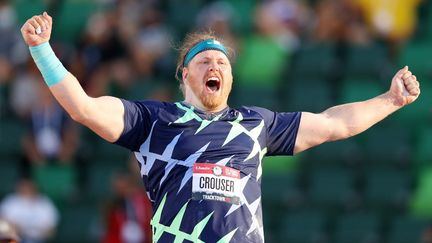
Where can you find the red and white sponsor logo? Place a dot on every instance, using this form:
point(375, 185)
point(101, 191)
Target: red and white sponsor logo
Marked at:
point(214, 169)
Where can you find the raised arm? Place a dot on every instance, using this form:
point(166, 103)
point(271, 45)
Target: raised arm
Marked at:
point(347, 120)
point(103, 115)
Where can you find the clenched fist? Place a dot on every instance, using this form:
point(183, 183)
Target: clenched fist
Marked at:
point(404, 87)
point(37, 29)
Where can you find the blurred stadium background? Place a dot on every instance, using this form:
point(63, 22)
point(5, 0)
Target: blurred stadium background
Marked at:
point(292, 55)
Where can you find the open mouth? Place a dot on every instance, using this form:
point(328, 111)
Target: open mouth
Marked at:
point(213, 84)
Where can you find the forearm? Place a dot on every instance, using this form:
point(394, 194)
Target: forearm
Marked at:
point(353, 118)
point(71, 96)
point(104, 115)
point(347, 120)
point(63, 85)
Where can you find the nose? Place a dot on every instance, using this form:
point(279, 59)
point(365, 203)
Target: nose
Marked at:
point(214, 66)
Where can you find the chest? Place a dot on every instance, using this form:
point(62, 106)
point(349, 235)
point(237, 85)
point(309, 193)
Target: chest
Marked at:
point(209, 141)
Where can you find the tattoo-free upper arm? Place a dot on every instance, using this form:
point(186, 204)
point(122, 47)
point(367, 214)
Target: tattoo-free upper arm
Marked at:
point(104, 115)
point(314, 129)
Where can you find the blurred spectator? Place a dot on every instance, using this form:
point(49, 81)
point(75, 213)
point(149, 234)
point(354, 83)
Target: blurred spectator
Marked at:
point(52, 136)
point(150, 48)
point(129, 16)
point(6, 70)
point(218, 17)
point(129, 213)
point(100, 45)
point(266, 52)
point(393, 21)
point(339, 21)
point(13, 51)
point(427, 235)
point(12, 47)
point(282, 20)
point(23, 90)
point(151, 58)
point(276, 36)
point(122, 49)
point(8, 232)
point(34, 215)
point(102, 42)
point(266, 44)
point(6, 74)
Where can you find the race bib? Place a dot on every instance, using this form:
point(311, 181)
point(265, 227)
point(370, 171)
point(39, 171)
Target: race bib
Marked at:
point(215, 182)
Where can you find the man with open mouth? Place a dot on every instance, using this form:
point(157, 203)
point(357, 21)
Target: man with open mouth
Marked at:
point(200, 159)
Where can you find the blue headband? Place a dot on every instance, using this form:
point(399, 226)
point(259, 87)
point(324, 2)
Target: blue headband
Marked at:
point(203, 46)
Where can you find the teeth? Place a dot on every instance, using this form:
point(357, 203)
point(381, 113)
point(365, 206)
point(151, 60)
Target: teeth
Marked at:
point(213, 78)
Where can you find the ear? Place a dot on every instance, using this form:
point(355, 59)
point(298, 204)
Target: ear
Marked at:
point(185, 74)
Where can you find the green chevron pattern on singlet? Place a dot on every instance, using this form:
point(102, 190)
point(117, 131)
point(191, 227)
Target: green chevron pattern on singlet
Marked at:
point(174, 229)
point(237, 129)
point(190, 115)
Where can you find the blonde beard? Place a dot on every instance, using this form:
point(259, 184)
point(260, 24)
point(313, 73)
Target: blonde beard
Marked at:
point(211, 102)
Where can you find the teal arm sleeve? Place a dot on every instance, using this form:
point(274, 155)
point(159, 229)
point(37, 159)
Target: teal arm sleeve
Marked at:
point(49, 65)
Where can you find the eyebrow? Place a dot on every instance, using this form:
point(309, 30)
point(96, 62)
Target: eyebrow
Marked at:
point(208, 58)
